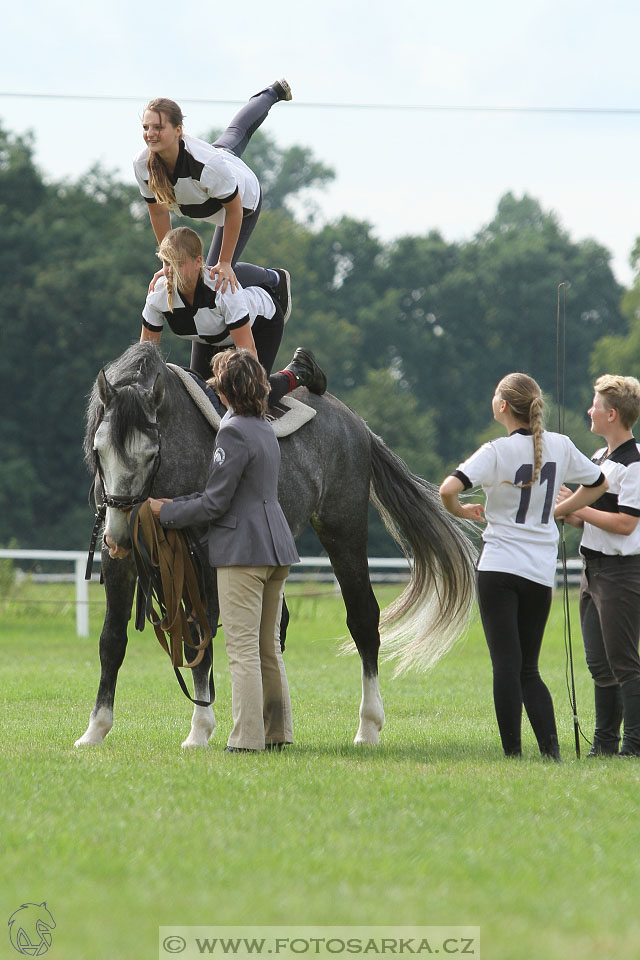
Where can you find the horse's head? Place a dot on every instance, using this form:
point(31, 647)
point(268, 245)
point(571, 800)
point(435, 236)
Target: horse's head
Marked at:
point(125, 443)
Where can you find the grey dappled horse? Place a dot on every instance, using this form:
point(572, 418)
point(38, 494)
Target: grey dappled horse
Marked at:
point(148, 437)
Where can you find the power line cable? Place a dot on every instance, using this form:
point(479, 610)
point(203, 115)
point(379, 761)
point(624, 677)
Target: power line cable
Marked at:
point(334, 105)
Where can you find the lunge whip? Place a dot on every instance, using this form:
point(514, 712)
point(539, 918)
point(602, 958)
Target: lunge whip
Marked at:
point(561, 377)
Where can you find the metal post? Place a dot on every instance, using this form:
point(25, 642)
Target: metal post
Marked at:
point(82, 600)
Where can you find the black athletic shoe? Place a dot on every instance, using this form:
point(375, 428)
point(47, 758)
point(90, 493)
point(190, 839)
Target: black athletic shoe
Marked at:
point(282, 293)
point(307, 372)
point(282, 89)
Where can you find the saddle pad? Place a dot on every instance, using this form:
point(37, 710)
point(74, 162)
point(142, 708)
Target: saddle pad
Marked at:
point(297, 414)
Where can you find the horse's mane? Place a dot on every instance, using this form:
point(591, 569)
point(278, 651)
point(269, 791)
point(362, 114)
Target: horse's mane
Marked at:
point(136, 369)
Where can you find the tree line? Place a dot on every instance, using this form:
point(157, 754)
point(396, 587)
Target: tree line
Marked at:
point(413, 334)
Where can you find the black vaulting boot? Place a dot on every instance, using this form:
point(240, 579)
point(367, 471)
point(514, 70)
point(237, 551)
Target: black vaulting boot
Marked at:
point(550, 748)
point(282, 293)
point(631, 711)
point(306, 371)
point(606, 736)
point(281, 89)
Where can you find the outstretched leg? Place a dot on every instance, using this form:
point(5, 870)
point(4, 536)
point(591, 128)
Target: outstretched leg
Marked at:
point(119, 583)
point(351, 568)
point(235, 139)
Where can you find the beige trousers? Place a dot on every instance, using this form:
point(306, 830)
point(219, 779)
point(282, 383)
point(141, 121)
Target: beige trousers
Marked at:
point(250, 607)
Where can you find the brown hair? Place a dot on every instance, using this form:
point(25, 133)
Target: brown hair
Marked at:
point(159, 182)
point(176, 246)
point(524, 396)
point(621, 394)
point(240, 376)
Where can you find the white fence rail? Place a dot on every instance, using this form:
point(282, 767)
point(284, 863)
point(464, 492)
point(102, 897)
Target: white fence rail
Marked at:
point(382, 570)
point(79, 559)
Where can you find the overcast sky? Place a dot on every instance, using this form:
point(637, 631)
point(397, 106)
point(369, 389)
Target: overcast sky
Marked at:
point(405, 171)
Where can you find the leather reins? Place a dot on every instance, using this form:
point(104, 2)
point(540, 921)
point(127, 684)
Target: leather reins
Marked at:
point(169, 574)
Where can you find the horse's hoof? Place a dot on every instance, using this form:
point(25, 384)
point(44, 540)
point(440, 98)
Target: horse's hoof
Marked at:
point(368, 734)
point(202, 726)
point(195, 741)
point(99, 726)
point(88, 741)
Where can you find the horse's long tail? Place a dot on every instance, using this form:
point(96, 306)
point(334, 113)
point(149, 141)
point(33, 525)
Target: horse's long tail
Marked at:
point(433, 611)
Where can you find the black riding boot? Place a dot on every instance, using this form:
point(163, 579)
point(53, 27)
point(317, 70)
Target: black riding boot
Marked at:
point(606, 736)
point(631, 712)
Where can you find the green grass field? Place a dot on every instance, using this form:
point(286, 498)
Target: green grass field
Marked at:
point(434, 827)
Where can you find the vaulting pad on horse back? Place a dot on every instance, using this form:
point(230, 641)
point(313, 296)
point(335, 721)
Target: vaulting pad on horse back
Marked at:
point(297, 414)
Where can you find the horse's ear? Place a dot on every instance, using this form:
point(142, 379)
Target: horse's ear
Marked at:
point(158, 390)
point(105, 390)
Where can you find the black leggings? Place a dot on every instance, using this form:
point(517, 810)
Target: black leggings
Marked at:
point(235, 139)
point(514, 613)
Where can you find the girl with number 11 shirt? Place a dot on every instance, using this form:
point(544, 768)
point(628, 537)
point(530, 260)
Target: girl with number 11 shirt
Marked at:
point(520, 475)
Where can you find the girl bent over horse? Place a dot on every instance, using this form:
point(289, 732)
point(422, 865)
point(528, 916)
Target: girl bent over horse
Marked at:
point(186, 298)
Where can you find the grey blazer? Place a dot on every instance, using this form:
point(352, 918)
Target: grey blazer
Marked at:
point(240, 501)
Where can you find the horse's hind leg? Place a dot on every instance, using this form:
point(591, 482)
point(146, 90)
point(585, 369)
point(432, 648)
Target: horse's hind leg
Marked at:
point(363, 617)
point(119, 583)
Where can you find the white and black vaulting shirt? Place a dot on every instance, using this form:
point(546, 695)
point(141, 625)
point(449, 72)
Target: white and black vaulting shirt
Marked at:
point(213, 314)
point(521, 536)
point(205, 177)
point(622, 470)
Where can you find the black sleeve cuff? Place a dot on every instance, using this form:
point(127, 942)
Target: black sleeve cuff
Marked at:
point(151, 326)
point(600, 480)
point(150, 200)
point(463, 478)
point(230, 197)
point(238, 323)
point(630, 510)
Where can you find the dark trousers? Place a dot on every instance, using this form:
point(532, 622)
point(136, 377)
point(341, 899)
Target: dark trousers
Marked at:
point(235, 139)
point(514, 613)
point(610, 618)
point(267, 335)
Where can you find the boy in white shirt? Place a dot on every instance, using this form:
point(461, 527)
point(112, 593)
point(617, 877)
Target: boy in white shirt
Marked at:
point(610, 588)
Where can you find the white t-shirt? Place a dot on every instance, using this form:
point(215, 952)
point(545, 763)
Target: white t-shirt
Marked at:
point(622, 470)
point(212, 315)
point(204, 177)
point(521, 536)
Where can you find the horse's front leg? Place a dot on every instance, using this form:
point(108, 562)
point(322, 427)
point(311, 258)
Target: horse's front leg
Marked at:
point(203, 721)
point(119, 583)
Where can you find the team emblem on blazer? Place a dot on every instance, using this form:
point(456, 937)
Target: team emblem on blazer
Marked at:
point(219, 456)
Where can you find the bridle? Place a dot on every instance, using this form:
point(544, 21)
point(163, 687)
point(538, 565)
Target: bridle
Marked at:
point(116, 501)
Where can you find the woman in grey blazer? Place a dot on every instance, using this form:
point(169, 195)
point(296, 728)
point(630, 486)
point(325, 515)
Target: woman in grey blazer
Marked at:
point(251, 545)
